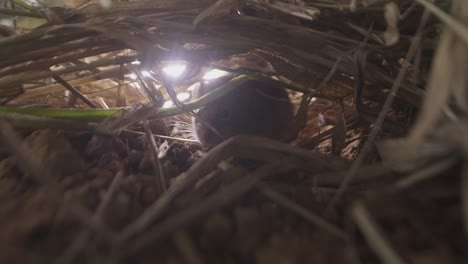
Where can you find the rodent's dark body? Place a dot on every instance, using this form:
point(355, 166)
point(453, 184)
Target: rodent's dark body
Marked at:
point(251, 108)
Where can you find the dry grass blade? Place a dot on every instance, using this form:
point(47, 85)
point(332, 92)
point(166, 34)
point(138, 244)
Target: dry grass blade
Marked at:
point(126, 117)
point(374, 236)
point(26, 161)
point(80, 241)
point(460, 29)
point(426, 173)
point(187, 248)
point(219, 199)
point(85, 216)
point(444, 107)
point(183, 140)
point(17, 79)
point(84, 30)
point(385, 108)
point(74, 91)
point(253, 147)
point(218, 9)
point(448, 71)
point(365, 174)
point(155, 157)
point(309, 216)
point(48, 89)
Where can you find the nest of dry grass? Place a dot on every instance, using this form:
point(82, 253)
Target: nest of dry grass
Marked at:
point(94, 170)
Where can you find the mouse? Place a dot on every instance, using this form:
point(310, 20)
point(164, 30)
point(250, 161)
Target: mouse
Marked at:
point(252, 108)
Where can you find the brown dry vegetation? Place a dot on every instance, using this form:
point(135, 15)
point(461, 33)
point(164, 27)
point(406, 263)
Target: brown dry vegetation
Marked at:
point(377, 174)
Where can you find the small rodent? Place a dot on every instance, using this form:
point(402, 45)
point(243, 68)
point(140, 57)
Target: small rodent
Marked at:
point(251, 108)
